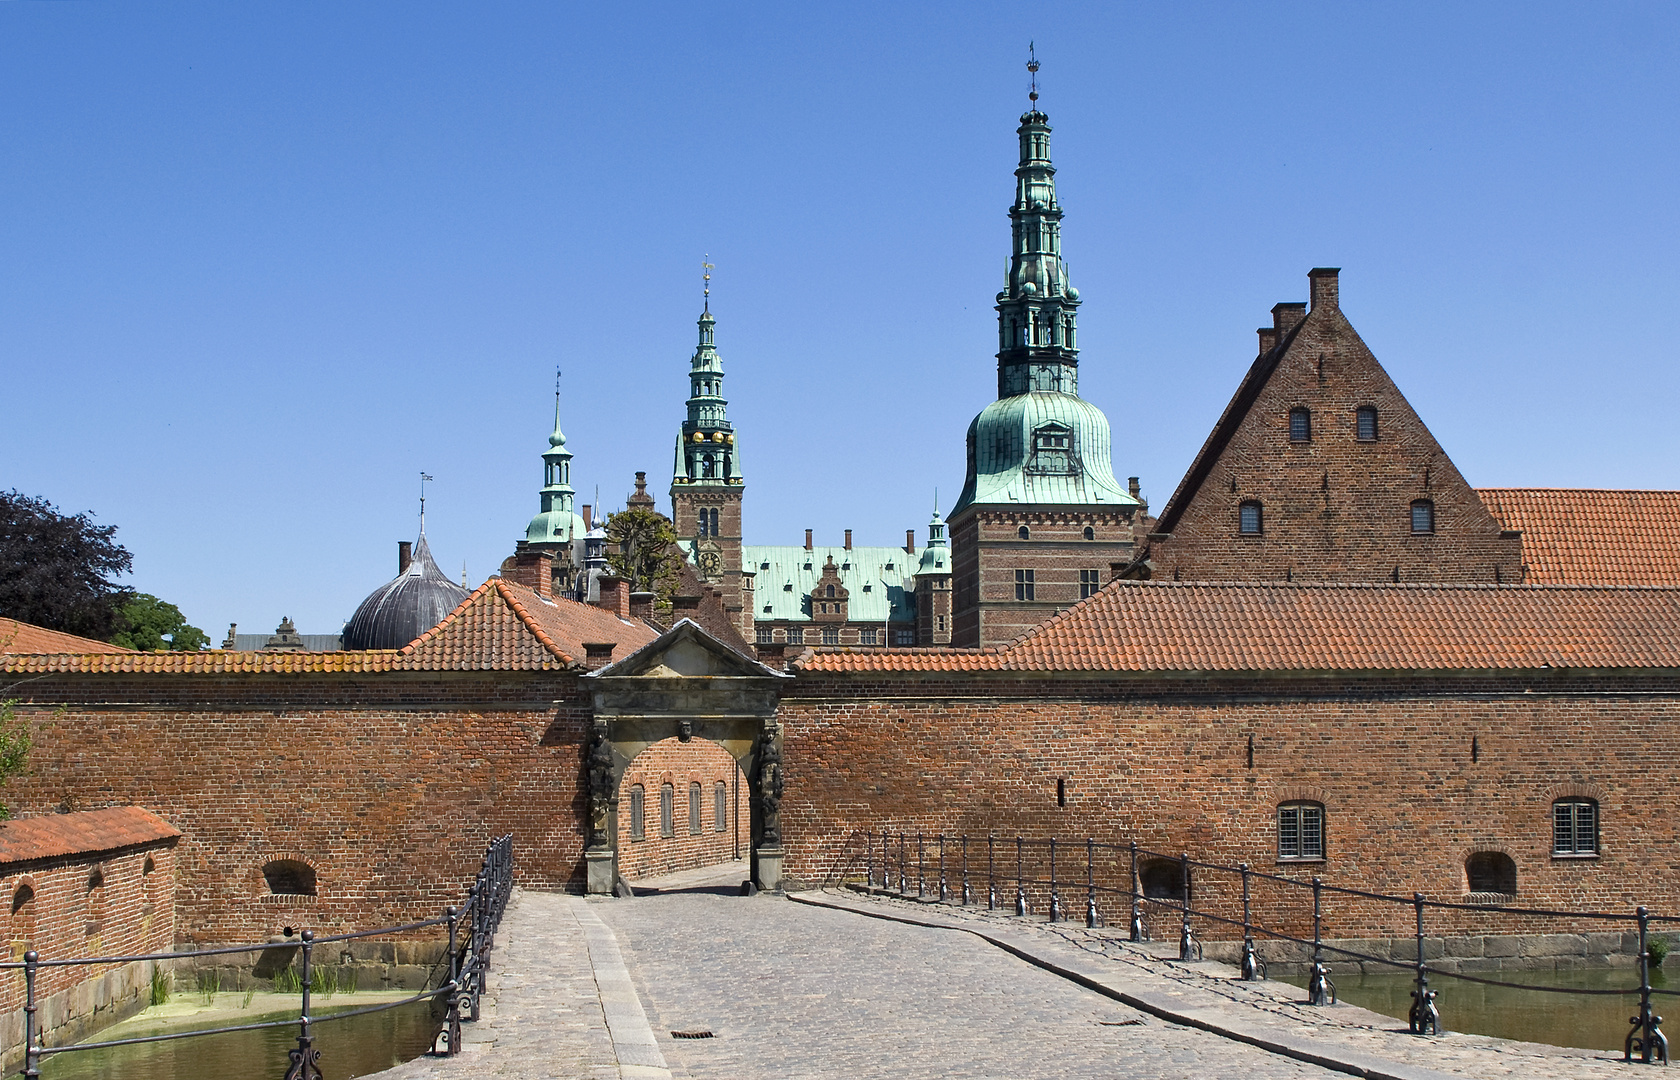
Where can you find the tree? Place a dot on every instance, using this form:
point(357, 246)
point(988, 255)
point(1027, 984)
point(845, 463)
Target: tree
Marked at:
point(14, 748)
point(645, 551)
point(56, 570)
point(151, 625)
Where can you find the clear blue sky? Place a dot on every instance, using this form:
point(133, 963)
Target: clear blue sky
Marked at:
point(261, 263)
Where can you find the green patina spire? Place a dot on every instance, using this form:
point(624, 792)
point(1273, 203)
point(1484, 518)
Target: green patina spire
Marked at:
point(706, 451)
point(556, 523)
point(1037, 339)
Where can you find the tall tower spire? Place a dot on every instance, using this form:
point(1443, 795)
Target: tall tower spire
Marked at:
point(556, 525)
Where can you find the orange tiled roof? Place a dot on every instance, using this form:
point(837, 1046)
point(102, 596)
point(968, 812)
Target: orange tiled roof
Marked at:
point(21, 637)
point(53, 835)
point(501, 627)
point(1173, 626)
point(1576, 536)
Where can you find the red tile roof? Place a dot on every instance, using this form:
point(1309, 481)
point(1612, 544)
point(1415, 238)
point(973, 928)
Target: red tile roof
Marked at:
point(21, 637)
point(1172, 626)
point(502, 626)
point(54, 835)
point(1574, 536)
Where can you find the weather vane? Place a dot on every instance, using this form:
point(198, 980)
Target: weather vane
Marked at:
point(557, 386)
point(1032, 66)
point(423, 478)
point(706, 269)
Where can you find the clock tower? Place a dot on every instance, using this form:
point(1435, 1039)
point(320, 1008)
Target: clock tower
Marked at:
point(706, 482)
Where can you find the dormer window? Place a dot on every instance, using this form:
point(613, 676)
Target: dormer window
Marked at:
point(788, 587)
point(1052, 449)
point(1300, 425)
point(1365, 423)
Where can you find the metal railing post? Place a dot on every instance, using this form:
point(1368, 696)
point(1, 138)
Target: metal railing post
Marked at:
point(991, 872)
point(1646, 1037)
point(1020, 888)
point(479, 974)
point(1423, 1013)
point(31, 1030)
point(1090, 883)
point(921, 867)
point(1252, 967)
point(1320, 990)
point(943, 895)
point(1137, 900)
point(1055, 898)
point(903, 870)
point(1187, 947)
point(453, 914)
point(305, 1059)
point(967, 894)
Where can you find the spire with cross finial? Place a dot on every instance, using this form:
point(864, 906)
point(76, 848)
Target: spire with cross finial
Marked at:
point(555, 524)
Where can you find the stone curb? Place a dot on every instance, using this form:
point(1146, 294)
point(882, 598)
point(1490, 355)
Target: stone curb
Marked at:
point(1153, 1004)
point(633, 1040)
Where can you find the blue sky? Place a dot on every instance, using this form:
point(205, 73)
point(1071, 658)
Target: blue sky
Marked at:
point(262, 263)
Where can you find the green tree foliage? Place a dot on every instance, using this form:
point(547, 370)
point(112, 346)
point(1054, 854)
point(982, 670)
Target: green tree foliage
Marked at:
point(151, 625)
point(56, 570)
point(645, 551)
point(14, 748)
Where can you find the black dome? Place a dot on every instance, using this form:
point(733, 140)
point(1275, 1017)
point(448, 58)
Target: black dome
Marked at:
point(409, 605)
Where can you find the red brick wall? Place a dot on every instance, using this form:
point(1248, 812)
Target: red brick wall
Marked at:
point(681, 765)
point(389, 786)
point(986, 551)
point(1165, 764)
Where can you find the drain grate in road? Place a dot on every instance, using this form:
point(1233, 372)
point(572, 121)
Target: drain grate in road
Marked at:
point(698, 1033)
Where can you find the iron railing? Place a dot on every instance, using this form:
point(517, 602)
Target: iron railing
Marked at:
point(472, 933)
point(906, 857)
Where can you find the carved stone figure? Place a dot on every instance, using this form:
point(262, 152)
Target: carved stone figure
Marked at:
point(770, 784)
point(600, 787)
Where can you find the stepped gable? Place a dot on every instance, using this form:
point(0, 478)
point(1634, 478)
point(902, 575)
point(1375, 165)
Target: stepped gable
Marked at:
point(1342, 479)
point(1263, 627)
point(1583, 536)
point(22, 637)
point(52, 836)
point(502, 626)
point(710, 613)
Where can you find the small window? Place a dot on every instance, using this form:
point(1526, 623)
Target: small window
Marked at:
point(766, 634)
point(1365, 423)
point(1301, 831)
point(1575, 827)
point(788, 587)
point(889, 566)
point(1023, 533)
point(764, 566)
point(1090, 533)
point(796, 635)
point(695, 828)
point(290, 877)
point(869, 636)
point(638, 812)
point(1423, 516)
point(1089, 582)
point(1491, 872)
point(868, 587)
point(1024, 585)
point(1250, 521)
point(1300, 425)
point(830, 591)
point(667, 810)
point(831, 635)
point(939, 623)
point(903, 638)
point(720, 806)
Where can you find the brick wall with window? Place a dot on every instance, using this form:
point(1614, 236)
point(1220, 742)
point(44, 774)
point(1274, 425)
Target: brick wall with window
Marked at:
point(692, 774)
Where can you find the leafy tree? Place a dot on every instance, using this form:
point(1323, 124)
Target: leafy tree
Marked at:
point(14, 748)
point(645, 551)
point(152, 625)
point(56, 570)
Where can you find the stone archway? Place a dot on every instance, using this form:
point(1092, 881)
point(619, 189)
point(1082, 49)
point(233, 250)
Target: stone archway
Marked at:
point(682, 685)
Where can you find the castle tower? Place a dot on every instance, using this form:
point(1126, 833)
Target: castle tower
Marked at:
point(706, 485)
point(933, 587)
point(557, 528)
point(1041, 516)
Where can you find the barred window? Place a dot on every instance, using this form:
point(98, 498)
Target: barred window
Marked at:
point(667, 810)
point(869, 636)
point(796, 635)
point(1089, 582)
point(1301, 831)
point(1365, 423)
point(1300, 425)
point(1024, 585)
point(1575, 827)
point(720, 806)
point(694, 801)
point(1250, 521)
point(638, 808)
point(831, 635)
point(1423, 516)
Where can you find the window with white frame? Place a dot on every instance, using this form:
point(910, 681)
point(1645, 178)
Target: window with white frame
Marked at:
point(1300, 830)
point(1575, 828)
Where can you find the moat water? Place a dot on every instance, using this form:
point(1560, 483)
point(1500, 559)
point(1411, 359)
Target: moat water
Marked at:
point(352, 1047)
point(1587, 1021)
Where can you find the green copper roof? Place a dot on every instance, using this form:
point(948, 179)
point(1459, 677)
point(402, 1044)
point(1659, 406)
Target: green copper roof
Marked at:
point(1043, 449)
point(556, 523)
point(706, 452)
point(881, 581)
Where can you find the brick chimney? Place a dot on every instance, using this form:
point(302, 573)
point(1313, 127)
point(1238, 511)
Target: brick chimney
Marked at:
point(807, 539)
point(1326, 288)
point(598, 654)
point(588, 518)
point(532, 569)
point(848, 539)
point(615, 595)
point(684, 607)
point(1134, 488)
point(1268, 339)
point(405, 555)
point(1287, 316)
point(910, 541)
point(641, 605)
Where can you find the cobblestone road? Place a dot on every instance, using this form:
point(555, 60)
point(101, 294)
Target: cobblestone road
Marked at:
point(793, 991)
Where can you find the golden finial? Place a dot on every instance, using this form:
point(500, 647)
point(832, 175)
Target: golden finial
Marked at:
point(706, 269)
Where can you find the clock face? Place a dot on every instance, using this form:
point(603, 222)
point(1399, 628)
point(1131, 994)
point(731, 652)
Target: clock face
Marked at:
point(710, 563)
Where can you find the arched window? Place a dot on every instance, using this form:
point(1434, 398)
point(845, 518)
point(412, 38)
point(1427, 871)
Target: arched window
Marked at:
point(1300, 424)
point(1161, 879)
point(1250, 521)
point(1090, 533)
point(95, 902)
point(290, 877)
point(1575, 828)
point(1491, 872)
point(694, 800)
point(829, 592)
point(23, 918)
point(638, 812)
point(1023, 533)
point(667, 810)
point(1300, 832)
point(1365, 423)
point(720, 806)
point(1423, 517)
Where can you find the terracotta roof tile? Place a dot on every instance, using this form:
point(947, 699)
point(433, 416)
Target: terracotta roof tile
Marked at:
point(53, 835)
point(21, 637)
point(924, 659)
point(1575, 536)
